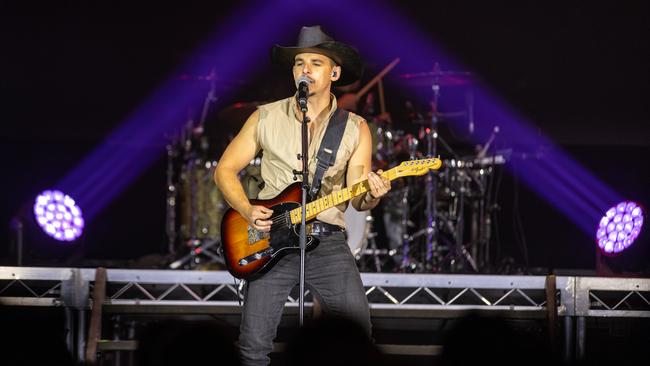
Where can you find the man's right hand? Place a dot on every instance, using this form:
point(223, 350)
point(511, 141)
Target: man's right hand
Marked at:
point(258, 217)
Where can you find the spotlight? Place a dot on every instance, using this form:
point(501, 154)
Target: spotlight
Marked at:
point(58, 216)
point(619, 228)
point(47, 231)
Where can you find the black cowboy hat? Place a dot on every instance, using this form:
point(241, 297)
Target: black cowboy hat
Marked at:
point(314, 40)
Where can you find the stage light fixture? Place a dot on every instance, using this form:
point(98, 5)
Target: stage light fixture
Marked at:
point(58, 215)
point(619, 228)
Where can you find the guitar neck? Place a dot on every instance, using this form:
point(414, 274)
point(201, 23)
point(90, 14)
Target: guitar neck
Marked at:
point(337, 197)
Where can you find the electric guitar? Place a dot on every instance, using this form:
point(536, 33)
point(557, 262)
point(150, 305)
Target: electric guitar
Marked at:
point(249, 253)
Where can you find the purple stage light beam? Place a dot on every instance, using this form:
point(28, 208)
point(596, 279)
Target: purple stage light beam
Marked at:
point(236, 48)
point(544, 167)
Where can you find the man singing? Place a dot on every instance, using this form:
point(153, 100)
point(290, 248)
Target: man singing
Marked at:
point(275, 129)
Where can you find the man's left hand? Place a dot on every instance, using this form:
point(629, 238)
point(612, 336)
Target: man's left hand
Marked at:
point(379, 185)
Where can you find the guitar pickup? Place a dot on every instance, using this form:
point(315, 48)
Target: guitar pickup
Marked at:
point(256, 256)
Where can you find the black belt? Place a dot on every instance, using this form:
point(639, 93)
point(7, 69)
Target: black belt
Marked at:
point(323, 228)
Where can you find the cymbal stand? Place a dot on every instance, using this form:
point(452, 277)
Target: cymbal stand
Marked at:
point(210, 98)
point(459, 249)
point(180, 156)
point(201, 248)
point(482, 222)
point(481, 176)
point(406, 259)
point(432, 148)
point(372, 243)
point(171, 200)
point(431, 229)
point(178, 146)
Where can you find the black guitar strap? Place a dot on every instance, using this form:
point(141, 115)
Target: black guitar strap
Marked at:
point(328, 148)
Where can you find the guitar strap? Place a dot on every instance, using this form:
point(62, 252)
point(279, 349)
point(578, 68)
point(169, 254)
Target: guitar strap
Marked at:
point(329, 146)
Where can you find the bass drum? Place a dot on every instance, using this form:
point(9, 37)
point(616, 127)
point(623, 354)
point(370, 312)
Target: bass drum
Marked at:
point(201, 203)
point(357, 227)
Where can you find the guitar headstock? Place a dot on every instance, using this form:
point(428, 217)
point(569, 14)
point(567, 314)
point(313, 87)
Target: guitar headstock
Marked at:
point(417, 167)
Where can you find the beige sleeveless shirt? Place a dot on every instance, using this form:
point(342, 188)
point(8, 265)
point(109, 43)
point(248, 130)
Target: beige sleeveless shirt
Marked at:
point(279, 135)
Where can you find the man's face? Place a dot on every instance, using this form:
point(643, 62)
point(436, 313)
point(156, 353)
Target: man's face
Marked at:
point(318, 68)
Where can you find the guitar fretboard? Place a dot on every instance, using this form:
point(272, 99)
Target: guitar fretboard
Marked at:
point(336, 198)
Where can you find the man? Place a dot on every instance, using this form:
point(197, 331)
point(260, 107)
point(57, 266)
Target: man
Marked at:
point(275, 128)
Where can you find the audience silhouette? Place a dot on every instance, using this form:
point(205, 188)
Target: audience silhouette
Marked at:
point(477, 339)
point(332, 341)
point(179, 342)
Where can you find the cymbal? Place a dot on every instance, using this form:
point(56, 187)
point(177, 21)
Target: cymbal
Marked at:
point(442, 78)
point(442, 115)
point(237, 113)
point(220, 82)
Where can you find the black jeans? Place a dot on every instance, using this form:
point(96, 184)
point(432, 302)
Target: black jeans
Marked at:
point(331, 275)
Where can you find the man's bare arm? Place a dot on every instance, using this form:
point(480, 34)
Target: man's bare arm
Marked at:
point(359, 168)
point(241, 150)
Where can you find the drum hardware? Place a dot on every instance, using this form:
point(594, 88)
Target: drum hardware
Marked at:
point(367, 246)
point(432, 147)
point(194, 204)
point(171, 199)
point(467, 189)
point(455, 231)
point(378, 252)
point(373, 251)
point(407, 262)
point(439, 78)
point(200, 247)
point(349, 100)
point(202, 206)
point(219, 82)
point(236, 114)
point(362, 240)
point(211, 98)
point(460, 250)
point(469, 182)
point(459, 179)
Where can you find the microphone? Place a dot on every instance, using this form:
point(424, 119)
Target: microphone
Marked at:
point(303, 92)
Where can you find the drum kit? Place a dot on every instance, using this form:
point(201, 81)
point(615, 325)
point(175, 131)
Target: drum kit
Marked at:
point(438, 223)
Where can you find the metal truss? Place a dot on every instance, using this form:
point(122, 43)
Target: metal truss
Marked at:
point(576, 296)
point(71, 287)
point(612, 297)
point(393, 295)
point(39, 286)
point(461, 292)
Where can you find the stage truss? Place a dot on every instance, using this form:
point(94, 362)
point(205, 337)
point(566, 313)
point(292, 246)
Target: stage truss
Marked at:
point(389, 295)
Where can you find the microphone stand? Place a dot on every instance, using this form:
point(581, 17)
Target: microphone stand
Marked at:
point(303, 222)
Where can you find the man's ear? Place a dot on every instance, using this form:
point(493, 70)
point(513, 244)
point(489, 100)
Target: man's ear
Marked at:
point(336, 73)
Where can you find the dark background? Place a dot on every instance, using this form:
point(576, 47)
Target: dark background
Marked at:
point(72, 73)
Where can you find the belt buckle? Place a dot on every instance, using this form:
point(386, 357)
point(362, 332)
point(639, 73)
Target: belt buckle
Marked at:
point(317, 228)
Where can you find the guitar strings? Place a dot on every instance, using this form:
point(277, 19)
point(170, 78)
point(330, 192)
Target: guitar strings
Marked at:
point(279, 220)
point(282, 217)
